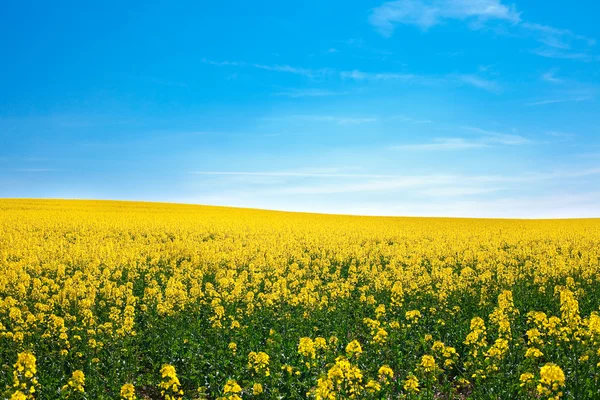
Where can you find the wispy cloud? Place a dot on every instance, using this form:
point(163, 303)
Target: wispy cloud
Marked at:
point(417, 179)
point(362, 76)
point(486, 138)
point(556, 38)
point(480, 83)
point(492, 137)
point(382, 76)
point(406, 118)
point(340, 120)
point(323, 185)
point(307, 72)
point(442, 144)
point(295, 93)
point(551, 77)
point(468, 79)
point(294, 174)
point(556, 42)
point(564, 54)
point(561, 136)
point(427, 13)
point(559, 100)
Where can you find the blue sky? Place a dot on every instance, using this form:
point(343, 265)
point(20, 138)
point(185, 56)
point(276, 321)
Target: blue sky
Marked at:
point(479, 108)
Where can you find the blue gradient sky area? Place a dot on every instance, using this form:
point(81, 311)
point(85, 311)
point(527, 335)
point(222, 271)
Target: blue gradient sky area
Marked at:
point(412, 107)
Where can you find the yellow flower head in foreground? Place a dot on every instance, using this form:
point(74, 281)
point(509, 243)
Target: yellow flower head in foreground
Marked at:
point(353, 348)
point(232, 389)
point(320, 343)
point(128, 392)
point(24, 379)
point(233, 347)
point(257, 389)
point(525, 378)
point(552, 380)
point(306, 347)
point(411, 384)
point(259, 362)
point(169, 384)
point(373, 386)
point(385, 373)
point(413, 316)
point(76, 384)
point(428, 363)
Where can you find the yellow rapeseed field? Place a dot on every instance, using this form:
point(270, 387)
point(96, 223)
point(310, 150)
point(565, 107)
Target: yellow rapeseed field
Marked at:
point(109, 300)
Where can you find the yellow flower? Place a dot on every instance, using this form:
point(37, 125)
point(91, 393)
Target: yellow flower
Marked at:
point(18, 395)
point(413, 316)
point(353, 349)
point(259, 362)
point(233, 347)
point(257, 389)
point(24, 376)
point(128, 392)
point(532, 352)
point(525, 378)
point(411, 384)
point(381, 336)
point(232, 387)
point(552, 380)
point(373, 386)
point(428, 363)
point(320, 343)
point(385, 373)
point(306, 347)
point(169, 385)
point(76, 384)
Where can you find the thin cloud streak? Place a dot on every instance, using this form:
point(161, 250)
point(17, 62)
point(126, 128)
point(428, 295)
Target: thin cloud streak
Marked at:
point(555, 101)
point(362, 76)
point(551, 77)
point(486, 139)
point(442, 144)
point(340, 120)
point(307, 72)
point(480, 83)
point(296, 93)
point(417, 179)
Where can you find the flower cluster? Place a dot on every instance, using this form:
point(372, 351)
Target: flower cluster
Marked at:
point(170, 387)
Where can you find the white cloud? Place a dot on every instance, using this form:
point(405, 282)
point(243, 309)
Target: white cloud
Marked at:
point(556, 43)
point(480, 83)
point(486, 139)
point(380, 76)
point(551, 77)
point(340, 120)
point(406, 118)
point(442, 144)
point(564, 54)
point(427, 13)
point(491, 137)
point(554, 37)
point(458, 195)
point(295, 174)
point(561, 100)
point(469, 79)
point(295, 93)
point(309, 73)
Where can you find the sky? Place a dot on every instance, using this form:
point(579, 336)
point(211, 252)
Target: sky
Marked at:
point(462, 108)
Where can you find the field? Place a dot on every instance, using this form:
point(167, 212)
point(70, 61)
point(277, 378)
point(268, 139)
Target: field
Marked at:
point(109, 300)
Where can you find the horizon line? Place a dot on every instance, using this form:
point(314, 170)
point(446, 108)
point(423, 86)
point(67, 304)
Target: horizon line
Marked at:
point(2, 199)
